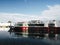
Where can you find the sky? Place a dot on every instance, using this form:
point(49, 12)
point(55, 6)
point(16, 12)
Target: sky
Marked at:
point(25, 10)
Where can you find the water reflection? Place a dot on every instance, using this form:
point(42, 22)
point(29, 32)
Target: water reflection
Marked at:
point(32, 35)
point(35, 35)
point(49, 39)
point(17, 38)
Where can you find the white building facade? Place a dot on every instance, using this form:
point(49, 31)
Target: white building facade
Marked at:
point(5, 26)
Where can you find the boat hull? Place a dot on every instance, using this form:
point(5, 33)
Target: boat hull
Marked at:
point(55, 30)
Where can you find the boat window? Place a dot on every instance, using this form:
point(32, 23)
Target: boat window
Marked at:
point(51, 25)
point(0, 26)
point(31, 25)
point(36, 24)
point(7, 26)
point(39, 24)
point(19, 24)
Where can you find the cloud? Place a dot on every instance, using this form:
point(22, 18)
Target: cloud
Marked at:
point(53, 12)
point(15, 17)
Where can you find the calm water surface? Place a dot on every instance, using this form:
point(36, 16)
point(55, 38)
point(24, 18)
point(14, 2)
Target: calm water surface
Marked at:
point(14, 38)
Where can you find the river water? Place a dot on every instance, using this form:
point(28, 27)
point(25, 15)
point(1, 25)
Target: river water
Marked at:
point(16, 38)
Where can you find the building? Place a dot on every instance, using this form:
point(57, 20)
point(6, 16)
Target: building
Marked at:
point(5, 26)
